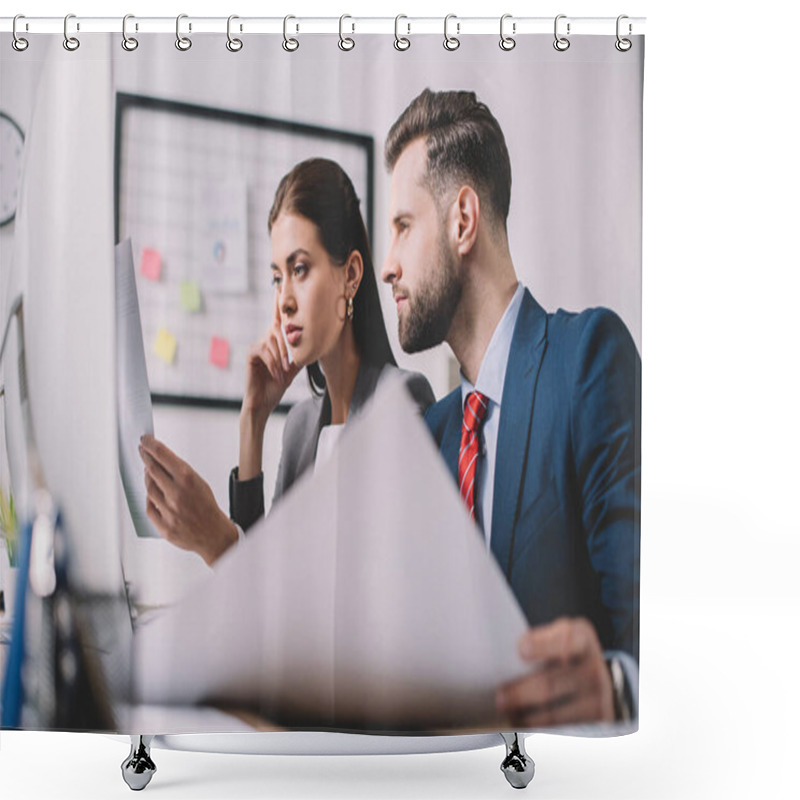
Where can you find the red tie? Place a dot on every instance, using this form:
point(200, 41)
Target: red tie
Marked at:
point(474, 412)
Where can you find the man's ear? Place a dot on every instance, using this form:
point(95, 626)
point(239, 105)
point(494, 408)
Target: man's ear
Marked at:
point(468, 212)
point(354, 271)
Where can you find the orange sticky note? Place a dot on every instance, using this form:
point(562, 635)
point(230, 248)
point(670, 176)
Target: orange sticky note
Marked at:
point(220, 352)
point(151, 264)
point(165, 346)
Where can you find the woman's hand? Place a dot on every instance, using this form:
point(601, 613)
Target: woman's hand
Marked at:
point(269, 374)
point(181, 504)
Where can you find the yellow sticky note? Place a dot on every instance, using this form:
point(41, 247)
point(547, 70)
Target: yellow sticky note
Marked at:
point(165, 346)
point(190, 296)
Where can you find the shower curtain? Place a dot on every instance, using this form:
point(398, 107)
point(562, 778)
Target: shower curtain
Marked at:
point(439, 537)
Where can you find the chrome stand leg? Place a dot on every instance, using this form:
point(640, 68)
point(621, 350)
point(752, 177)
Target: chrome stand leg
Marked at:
point(517, 766)
point(138, 768)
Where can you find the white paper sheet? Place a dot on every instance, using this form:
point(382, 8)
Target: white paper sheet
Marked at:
point(366, 600)
point(134, 405)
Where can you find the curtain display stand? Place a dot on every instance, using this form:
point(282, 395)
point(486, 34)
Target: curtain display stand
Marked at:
point(139, 767)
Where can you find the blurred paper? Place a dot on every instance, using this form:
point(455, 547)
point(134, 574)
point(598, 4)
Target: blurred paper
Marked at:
point(221, 242)
point(190, 296)
point(151, 264)
point(367, 600)
point(220, 351)
point(165, 346)
point(134, 406)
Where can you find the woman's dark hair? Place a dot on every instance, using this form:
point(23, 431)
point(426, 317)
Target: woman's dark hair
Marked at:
point(319, 190)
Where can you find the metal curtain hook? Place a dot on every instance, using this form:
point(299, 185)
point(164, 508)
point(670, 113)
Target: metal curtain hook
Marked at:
point(345, 42)
point(451, 42)
point(289, 44)
point(128, 42)
point(401, 42)
point(233, 44)
point(623, 45)
point(561, 43)
point(507, 42)
point(18, 43)
point(183, 43)
point(70, 42)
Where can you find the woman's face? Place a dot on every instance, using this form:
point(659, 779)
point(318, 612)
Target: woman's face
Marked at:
point(309, 289)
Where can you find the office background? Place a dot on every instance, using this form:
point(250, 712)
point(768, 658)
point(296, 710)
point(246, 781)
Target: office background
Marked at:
point(574, 224)
point(720, 701)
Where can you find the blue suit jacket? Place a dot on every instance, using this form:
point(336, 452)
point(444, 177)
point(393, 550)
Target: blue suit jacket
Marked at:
point(565, 524)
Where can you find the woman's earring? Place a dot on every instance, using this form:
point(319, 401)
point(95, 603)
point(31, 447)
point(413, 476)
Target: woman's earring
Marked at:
point(350, 308)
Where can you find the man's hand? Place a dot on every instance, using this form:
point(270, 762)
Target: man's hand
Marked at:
point(181, 504)
point(570, 682)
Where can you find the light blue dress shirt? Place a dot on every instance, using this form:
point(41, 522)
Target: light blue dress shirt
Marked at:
point(491, 377)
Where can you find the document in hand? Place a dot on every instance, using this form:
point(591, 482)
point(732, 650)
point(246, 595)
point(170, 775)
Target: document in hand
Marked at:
point(134, 406)
point(366, 601)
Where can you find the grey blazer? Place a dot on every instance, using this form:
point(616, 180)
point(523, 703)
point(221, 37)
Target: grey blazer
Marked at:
point(301, 434)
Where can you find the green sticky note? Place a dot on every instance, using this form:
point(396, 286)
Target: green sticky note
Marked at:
point(190, 296)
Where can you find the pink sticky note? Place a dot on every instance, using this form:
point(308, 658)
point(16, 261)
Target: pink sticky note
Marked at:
point(151, 264)
point(220, 352)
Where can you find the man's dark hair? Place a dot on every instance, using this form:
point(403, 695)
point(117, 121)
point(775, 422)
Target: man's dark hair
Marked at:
point(465, 146)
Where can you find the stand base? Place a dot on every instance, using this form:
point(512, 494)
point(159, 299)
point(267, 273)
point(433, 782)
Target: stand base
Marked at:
point(138, 768)
point(517, 766)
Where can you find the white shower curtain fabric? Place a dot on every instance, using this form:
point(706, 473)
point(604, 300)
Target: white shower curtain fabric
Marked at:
point(448, 224)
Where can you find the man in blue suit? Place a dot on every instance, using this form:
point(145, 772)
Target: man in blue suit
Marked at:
point(543, 436)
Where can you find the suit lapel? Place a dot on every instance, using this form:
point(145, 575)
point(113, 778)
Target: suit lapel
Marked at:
point(366, 381)
point(451, 437)
point(308, 453)
point(516, 413)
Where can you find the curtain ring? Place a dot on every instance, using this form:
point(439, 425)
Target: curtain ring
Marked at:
point(128, 42)
point(183, 43)
point(233, 44)
point(623, 45)
point(70, 42)
point(451, 42)
point(401, 42)
point(18, 43)
point(507, 42)
point(561, 43)
point(289, 44)
point(345, 42)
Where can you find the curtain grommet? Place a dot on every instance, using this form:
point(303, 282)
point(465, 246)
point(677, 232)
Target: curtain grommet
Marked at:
point(71, 43)
point(346, 43)
point(561, 43)
point(290, 44)
point(507, 43)
point(19, 43)
point(183, 43)
point(401, 43)
point(622, 44)
point(451, 43)
point(233, 44)
point(129, 43)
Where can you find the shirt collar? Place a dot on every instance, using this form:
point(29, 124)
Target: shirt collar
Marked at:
point(492, 372)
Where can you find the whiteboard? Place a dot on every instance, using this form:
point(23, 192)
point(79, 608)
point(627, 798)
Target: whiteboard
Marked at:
point(193, 190)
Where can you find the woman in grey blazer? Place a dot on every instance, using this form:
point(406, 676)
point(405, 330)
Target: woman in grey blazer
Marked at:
point(328, 318)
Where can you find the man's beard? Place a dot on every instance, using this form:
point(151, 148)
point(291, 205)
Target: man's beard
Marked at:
point(431, 308)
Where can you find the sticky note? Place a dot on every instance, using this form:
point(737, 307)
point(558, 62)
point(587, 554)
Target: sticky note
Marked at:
point(220, 352)
point(190, 296)
point(165, 346)
point(151, 264)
